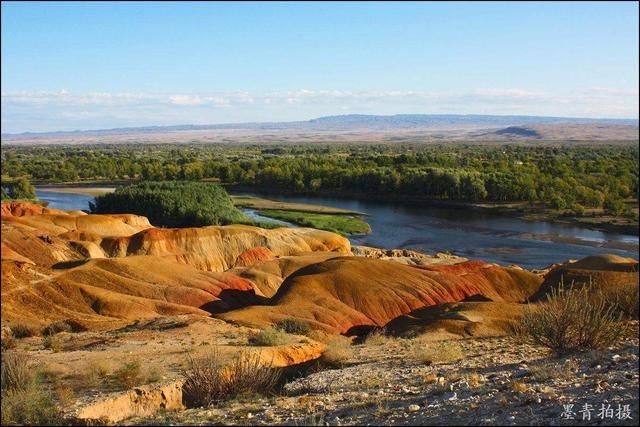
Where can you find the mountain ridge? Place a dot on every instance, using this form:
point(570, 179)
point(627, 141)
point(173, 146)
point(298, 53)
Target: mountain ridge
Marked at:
point(351, 122)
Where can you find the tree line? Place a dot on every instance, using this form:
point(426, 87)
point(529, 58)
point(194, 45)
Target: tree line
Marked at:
point(559, 176)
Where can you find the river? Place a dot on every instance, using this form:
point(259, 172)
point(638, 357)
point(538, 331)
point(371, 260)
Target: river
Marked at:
point(465, 232)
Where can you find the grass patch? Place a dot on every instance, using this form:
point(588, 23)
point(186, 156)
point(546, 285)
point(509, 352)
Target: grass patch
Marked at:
point(341, 224)
point(438, 352)
point(270, 337)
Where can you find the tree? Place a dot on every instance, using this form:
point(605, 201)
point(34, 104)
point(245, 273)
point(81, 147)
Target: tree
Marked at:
point(22, 189)
point(614, 205)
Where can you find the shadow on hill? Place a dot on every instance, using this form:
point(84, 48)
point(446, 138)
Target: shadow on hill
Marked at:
point(69, 264)
point(232, 299)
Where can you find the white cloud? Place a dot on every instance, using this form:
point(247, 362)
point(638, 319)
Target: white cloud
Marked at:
point(186, 100)
point(60, 110)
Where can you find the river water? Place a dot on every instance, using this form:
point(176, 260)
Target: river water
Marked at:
point(465, 232)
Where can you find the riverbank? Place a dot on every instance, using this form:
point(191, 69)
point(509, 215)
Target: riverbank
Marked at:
point(268, 213)
point(594, 219)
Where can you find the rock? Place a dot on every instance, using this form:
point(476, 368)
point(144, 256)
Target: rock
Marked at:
point(451, 396)
point(413, 408)
point(521, 373)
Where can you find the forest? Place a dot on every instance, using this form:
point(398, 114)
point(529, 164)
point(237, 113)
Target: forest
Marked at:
point(560, 176)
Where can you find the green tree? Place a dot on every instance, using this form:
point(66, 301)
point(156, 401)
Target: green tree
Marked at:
point(21, 188)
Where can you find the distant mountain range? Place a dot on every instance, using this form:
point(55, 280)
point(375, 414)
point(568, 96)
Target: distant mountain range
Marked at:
point(358, 127)
point(358, 122)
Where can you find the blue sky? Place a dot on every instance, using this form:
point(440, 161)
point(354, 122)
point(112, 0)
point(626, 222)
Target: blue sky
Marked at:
point(95, 65)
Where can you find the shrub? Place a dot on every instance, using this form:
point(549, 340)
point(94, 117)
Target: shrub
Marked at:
point(129, 375)
point(53, 343)
point(377, 337)
point(8, 341)
point(293, 326)
point(626, 300)
point(578, 209)
point(20, 330)
point(23, 400)
point(269, 337)
point(95, 373)
point(209, 380)
point(519, 387)
point(68, 325)
point(30, 406)
point(337, 353)
point(573, 319)
point(614, 205)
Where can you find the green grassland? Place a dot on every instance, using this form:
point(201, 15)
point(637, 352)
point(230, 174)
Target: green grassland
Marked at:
point(341, 224)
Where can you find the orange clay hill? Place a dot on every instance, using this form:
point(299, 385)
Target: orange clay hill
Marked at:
point(343, 295)
point(607, 272)
point(105, 271)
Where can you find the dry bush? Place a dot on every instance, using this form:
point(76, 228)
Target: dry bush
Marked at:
point(293, 326)
point(210, 380)
point(95, 373)
point(436, 352)
point(519, 387)
point(337, 353)
point(129, 375)
point(53, 343)
point(378, 337)
point(68, 325)
point(8, 341)
point(314, 419)
point(573, 319)
point(20, 330)
point(625, 300)
point(474, 379)
point(66, 395)
point(270, 337)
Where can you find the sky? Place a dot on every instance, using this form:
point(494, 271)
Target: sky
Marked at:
point(83, 65)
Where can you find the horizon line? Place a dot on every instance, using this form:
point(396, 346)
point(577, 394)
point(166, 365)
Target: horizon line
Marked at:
point(316, 118)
